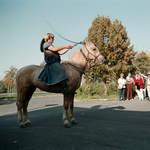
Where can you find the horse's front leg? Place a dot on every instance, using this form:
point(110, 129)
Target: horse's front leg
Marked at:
point(65, 113)
point(71, 104)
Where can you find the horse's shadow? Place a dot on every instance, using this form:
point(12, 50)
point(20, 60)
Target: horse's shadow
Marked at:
point(99, 127)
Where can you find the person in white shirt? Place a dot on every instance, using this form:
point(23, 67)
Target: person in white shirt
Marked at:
point(121, 86)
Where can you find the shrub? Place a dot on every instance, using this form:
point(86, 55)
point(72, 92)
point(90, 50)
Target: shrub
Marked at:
point(90, 90)
point(96, 90)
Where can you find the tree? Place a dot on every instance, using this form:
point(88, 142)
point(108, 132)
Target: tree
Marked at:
point(142, 62)
point(10, 78)
point(112, 41)
point(3, 88)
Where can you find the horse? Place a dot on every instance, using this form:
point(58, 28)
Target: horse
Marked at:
point(27, 82)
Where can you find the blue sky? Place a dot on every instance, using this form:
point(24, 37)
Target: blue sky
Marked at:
point(23, 25)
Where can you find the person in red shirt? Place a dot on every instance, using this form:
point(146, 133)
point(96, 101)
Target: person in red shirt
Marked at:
point(135, 78)
point(139, 87)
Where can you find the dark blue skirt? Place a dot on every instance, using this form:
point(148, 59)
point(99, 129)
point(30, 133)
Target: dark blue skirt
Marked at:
point(52, 74)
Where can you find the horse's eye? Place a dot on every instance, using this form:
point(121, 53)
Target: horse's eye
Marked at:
point(94, 49)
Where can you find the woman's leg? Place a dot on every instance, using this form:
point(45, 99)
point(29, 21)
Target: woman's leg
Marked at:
point(141, 92)
point(64, 87)
point(128, 90)
point(120, 92)
point(144, 93)
point(138, 93)
point(123, 93)
point(148, 91)
point(131, 90)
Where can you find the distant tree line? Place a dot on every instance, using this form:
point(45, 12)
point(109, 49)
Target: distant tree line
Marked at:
point(8, 84)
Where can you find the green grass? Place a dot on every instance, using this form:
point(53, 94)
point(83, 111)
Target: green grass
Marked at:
point(7, 97)
point(93, 99)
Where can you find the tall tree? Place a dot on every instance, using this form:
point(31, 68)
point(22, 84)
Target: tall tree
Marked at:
point(10, 77)
point(142, 62)
point(114, 44)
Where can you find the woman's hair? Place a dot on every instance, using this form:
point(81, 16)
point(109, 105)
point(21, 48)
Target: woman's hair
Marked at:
point(48, 36)
point(41, 45)
point(45, 39)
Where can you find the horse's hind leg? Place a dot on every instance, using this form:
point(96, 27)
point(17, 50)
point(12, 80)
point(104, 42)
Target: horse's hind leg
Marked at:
point(71, 104)
point(25, 105)
point(19, 103)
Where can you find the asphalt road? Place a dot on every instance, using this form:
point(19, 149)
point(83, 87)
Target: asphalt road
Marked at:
point(103, 125)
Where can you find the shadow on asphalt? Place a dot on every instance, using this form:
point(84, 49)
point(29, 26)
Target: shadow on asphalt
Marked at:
point(98, 128)
point(7, 102)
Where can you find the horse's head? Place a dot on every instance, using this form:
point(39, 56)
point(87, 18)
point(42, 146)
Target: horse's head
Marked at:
point(91, 53)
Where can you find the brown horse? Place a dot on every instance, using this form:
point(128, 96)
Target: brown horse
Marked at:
point(27, 82)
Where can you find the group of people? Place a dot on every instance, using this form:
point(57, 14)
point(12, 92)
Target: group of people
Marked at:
point(141, 83)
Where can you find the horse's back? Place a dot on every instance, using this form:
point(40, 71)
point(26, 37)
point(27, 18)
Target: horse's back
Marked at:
point(28, 74)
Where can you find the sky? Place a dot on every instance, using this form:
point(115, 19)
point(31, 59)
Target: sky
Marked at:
point(23, 24)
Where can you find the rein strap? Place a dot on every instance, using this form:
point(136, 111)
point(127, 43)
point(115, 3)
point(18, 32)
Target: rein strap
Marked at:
point(84, 55)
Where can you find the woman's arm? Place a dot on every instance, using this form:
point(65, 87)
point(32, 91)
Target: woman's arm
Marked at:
point(61, 52)
point(52, 48)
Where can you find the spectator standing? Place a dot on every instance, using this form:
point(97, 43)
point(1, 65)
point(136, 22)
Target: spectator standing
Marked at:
point(121, 86)
point(144, 80)
point(129, 83)
point(147, 85)
point(135, 81)
point(139, 87)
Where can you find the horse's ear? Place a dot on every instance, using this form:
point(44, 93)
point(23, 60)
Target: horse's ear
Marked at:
point(84, 42)
point(41, 45)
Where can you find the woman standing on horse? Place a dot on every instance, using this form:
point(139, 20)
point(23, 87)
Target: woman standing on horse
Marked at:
point(53, 72)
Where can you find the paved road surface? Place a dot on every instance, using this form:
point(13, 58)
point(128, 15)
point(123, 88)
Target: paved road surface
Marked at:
point(109, 125)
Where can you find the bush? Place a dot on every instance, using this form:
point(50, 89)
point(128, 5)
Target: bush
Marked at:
point(3, 88)
point(96, 90)
point(90, 90)
point(112, 88)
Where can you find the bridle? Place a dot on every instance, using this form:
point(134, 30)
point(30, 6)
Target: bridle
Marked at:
point(89, 60)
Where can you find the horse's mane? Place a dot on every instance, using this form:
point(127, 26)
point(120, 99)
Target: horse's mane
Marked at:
point(71, 57)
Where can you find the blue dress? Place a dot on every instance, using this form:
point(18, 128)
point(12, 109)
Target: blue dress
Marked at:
point(53, 71)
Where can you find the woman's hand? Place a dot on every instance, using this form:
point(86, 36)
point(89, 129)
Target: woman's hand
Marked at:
point(69, 46)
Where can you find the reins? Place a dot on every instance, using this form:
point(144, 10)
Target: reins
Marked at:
point(77, 68)
point(75, 44)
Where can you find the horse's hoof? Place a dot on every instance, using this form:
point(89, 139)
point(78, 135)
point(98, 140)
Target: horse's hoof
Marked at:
point(74, 122)
point(28, 123)
point(67, 124)
point(22, 125)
